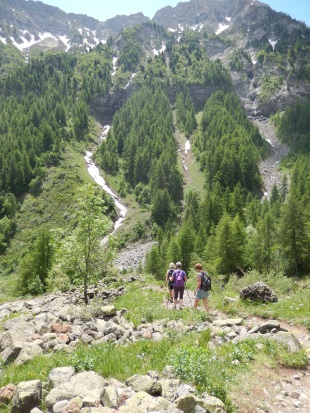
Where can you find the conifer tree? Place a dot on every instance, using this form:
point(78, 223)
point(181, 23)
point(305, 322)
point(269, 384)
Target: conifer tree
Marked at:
point(294, 236)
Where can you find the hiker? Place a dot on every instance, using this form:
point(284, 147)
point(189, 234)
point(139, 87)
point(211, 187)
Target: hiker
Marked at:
point(179, 279)
point(202, 288)
point(169, 281)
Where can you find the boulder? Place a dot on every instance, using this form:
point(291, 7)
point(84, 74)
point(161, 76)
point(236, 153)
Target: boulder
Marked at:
point(145, 384)
point(60, 375)
point(142, 402)
point(82, 385)
point(28, 352)
point(259, 291)
point(265, 327)
point(27, 396)
point(289, 339)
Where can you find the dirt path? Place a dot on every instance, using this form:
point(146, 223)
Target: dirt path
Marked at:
point(273, 389)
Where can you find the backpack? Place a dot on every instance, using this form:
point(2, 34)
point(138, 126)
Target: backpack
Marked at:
point(170, 274)
point(205, 281)
point(179, 278)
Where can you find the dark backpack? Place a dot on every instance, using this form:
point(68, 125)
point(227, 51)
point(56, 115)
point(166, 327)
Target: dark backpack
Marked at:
point(179, 276)
point(170, 274)
point(205, 281)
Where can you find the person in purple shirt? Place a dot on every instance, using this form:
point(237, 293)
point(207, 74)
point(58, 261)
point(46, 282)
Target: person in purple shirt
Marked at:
point(179, 279)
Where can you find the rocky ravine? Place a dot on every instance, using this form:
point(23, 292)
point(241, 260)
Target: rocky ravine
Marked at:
point(58, 322)
point(269, 168)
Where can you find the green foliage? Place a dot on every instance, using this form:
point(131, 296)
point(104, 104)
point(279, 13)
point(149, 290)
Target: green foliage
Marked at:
point(36, 264)
point(132, 51)
point(83, 362)
point(153, 263)
point(293, 126)
point(141, 135)
point(185, 112)
point(83, 256)
point(229, 146)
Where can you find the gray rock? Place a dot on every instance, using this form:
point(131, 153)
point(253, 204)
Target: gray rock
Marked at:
point(27, 396)
point(28, 352)
point(59, 407)
point(288, 339)
point(60, 375)
point(142, 402)
point(169, 388)
point(266, 327)
point(188, 403)
point(12, 338)
point(82, 385)
point(11, 353)
point(145, 384)
point(110, 397)
point(228, 322)
point(259, 291)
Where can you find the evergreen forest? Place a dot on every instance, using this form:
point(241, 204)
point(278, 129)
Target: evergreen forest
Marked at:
point(48, 117)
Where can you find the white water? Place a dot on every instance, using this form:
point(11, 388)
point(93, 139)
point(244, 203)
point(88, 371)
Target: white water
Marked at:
point(187, 146)
point(95, 174)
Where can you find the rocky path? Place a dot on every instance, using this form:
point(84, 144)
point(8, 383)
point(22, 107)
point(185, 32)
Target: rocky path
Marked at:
point(275, 389)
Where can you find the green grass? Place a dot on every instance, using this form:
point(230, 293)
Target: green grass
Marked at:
point(293, 298)
point(153, 303)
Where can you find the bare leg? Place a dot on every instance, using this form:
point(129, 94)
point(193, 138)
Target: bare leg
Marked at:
point(206, 304)
point(181, 304)
point(196, 303)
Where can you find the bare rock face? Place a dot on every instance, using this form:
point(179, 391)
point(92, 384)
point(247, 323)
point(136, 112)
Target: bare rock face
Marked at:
point(259, 291)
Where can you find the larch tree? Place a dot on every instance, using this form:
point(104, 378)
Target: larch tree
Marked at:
point(87, 254)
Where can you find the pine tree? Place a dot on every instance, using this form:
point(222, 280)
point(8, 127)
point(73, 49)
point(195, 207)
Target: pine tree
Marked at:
point(294, 237)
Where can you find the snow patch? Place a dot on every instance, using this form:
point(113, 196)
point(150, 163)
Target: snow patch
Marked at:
point(187, 146)
point(221, 28)
point(171, 30)
point(157, 52)
point(228, 18)
point(272, 43)
point(3, 40)
point(197, 26)
point(132, 76)
point(65, 41)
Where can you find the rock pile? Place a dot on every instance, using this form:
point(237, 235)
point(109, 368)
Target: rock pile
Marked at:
point(88, 392)
point(58, 322)
point(259, 291)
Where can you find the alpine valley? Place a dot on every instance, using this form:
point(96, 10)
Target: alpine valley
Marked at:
point(129, 144)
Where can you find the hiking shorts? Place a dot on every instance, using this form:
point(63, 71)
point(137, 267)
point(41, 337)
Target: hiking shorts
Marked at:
point(170, 285)
point(178, 291)
point(201, 294)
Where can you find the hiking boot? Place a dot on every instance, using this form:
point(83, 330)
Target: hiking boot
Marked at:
point(171, 300)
